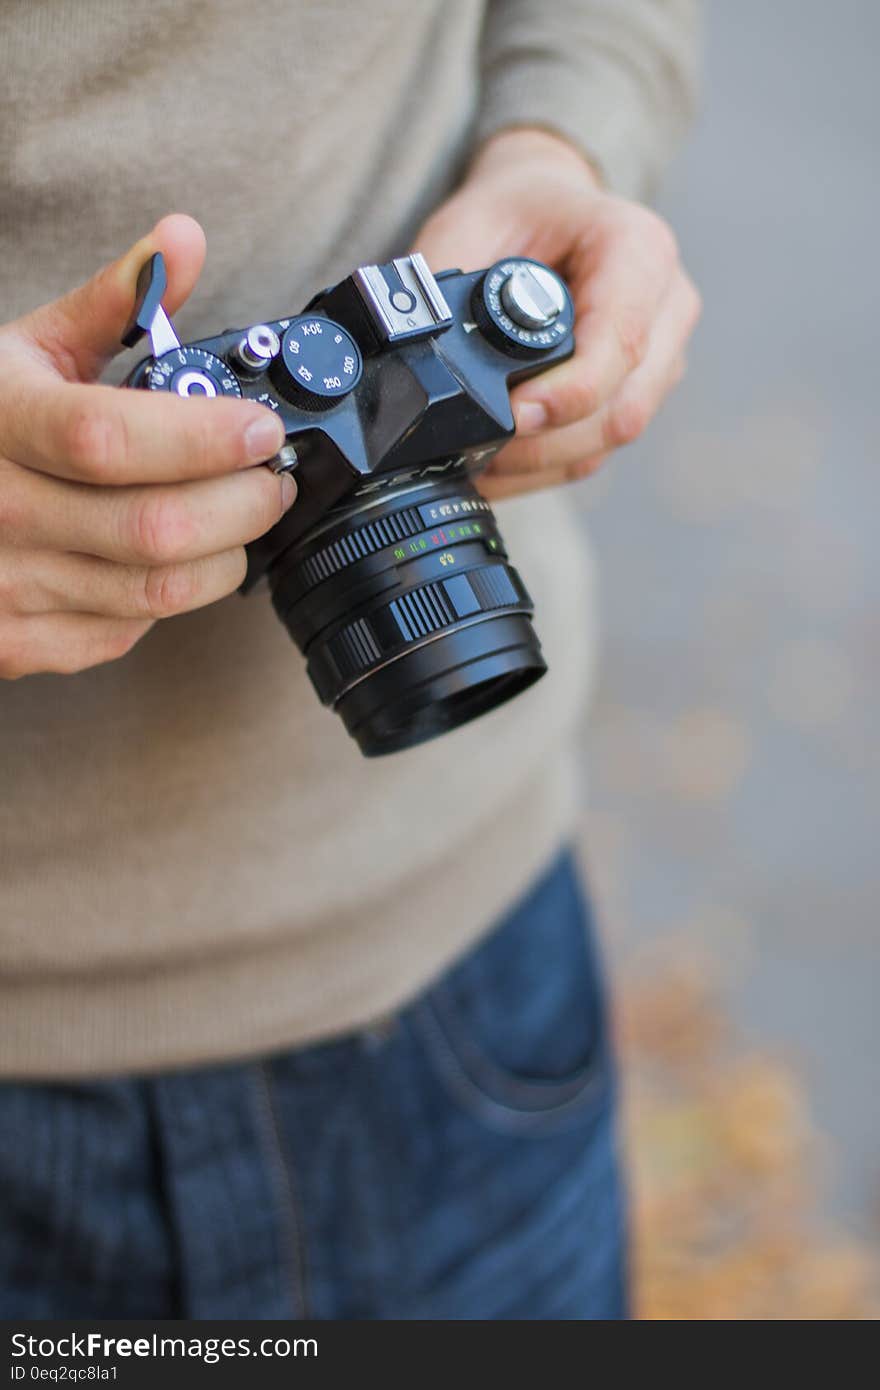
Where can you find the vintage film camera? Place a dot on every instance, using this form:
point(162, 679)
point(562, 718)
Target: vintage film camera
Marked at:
point(389, 571)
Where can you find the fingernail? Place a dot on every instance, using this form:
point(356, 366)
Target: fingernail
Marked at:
point(263, 438)
point(288, 491)
point(531, 417)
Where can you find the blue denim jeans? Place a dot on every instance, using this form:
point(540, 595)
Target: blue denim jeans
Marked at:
point(456, 1162)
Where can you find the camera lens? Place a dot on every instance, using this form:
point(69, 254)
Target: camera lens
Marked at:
point(409, 614)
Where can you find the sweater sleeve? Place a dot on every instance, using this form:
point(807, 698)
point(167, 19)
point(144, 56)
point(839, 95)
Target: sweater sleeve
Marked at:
point(617, 78)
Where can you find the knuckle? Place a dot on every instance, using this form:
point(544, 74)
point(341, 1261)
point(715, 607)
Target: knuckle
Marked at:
point(633, 331)
point(168, 589)
point(100, 648)
point(531, 454)
point(205, 439)
point(268, 504)
point(626, 420)
point(118, 643)
point(18, 593)
point(160, 527)
point(93, 440)
point(581, 400)
point(586, 467)
point(656, 232)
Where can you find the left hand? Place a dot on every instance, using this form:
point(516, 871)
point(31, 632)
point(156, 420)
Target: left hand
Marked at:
point(530, 193)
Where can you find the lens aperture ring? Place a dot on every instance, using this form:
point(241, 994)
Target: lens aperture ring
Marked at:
point(411, 618)
point(409, 531)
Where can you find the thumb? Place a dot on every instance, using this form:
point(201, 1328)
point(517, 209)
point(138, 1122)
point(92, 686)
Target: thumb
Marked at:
point(463, 234)
point(81, 331)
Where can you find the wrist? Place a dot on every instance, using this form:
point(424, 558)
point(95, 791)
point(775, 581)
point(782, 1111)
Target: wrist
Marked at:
point(514, 145)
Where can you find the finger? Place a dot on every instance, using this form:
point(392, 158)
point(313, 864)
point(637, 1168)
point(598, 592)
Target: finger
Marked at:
point(616, 307)
point(622, 419)
point(498, 487)
point(50, 581)
point(99, 434)
point(466, 231)
point(63, 643)
point(552, 450)
point(142, 526)
point(82, 331)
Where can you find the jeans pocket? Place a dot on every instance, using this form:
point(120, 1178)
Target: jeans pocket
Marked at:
point(516, 1032)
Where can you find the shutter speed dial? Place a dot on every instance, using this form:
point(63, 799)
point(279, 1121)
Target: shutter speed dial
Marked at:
point(523, 307)
point(191, 371)
point(319, 363)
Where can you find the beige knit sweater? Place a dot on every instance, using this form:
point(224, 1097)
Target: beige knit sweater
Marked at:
point(195, 861)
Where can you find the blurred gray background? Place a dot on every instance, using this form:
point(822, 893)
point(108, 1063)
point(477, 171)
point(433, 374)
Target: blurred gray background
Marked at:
point(733, 756)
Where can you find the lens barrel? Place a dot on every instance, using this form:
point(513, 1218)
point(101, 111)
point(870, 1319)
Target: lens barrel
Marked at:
point(409, 614)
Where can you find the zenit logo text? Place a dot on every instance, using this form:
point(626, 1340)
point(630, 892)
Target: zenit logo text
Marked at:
point(428, 470)
point(396, 479)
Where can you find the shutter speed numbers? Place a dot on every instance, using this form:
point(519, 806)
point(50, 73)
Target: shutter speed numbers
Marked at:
point(321, 362)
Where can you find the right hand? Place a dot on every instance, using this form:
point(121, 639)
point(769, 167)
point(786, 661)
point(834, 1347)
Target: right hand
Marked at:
point(118, 507)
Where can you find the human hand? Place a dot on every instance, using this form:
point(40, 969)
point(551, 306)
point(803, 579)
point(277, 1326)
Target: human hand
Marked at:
point(117, 508)
point(530, 193)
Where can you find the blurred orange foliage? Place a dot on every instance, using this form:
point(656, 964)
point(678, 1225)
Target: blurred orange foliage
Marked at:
point(723, 1169)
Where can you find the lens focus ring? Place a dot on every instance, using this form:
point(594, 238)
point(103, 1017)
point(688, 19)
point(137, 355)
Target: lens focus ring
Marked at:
point(411, 617)
point(408, 613)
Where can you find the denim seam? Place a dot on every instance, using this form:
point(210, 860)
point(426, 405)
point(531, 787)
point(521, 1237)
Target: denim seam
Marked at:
point(517, 1092)
point(296, 1260)
point(178, 1280)
point(531, 1122)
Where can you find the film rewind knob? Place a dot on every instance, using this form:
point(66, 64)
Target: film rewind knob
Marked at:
point(533, 296)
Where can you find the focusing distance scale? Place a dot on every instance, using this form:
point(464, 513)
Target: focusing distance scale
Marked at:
point(389, 572)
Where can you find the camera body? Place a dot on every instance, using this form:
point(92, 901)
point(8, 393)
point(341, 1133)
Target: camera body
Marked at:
point(393, 388)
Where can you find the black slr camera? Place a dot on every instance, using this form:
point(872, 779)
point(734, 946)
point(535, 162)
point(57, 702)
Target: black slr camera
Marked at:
point(389, 571)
